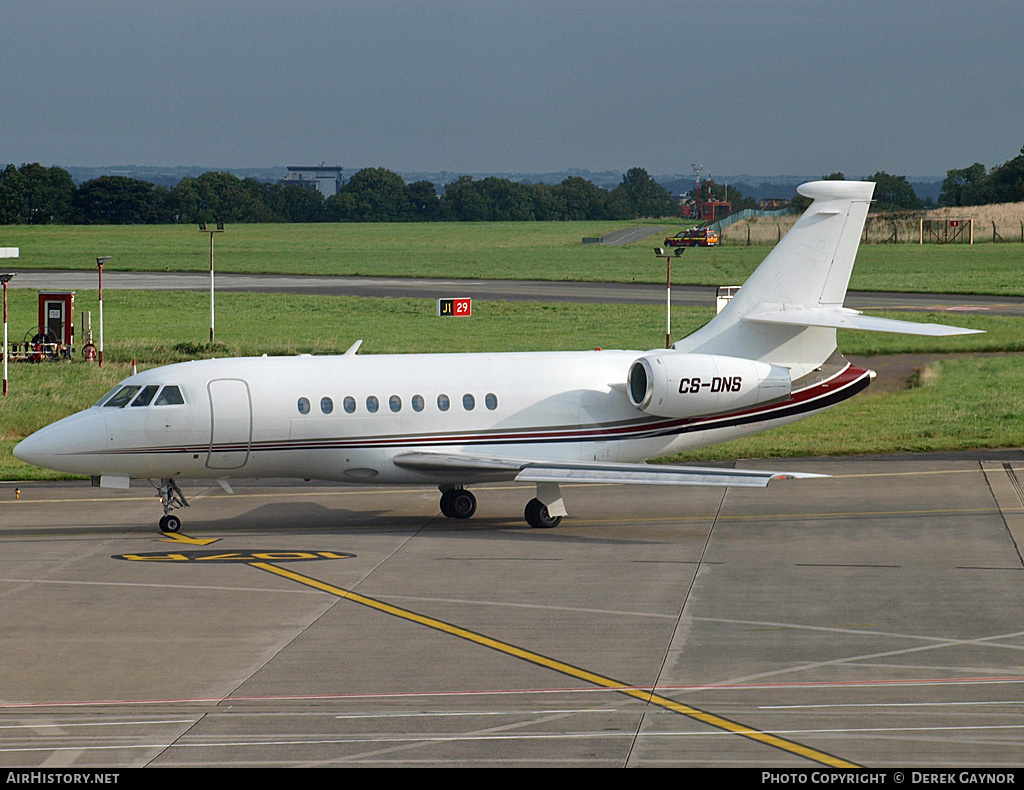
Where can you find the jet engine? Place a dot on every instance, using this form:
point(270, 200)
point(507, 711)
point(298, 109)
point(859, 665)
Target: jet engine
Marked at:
point(673, 384)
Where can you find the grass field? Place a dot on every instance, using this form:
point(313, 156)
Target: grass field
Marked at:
point(969, 401)
point(524, 250)
point(960, 403)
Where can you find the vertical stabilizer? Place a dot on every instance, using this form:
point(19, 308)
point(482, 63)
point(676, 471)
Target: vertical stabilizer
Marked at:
point(809, 268)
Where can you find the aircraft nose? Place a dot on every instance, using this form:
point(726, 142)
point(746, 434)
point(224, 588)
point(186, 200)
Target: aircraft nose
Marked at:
point(34, 450)
point(66, 446)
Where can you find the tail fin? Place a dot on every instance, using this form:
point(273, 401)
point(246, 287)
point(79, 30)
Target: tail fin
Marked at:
point(789, 309)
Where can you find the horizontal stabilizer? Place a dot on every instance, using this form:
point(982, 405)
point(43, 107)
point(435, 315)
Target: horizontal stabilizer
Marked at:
point(845, 318)
point(526, 471)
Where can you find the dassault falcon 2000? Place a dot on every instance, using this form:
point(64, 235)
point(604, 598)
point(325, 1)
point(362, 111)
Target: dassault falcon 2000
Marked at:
point(452, 420)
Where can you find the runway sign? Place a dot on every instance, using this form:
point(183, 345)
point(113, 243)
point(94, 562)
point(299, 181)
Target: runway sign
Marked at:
point(454, 307)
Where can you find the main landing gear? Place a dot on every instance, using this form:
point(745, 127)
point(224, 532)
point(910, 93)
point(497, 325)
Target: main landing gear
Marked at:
point(538, 517)
point(543, 512)
point(172, 499)
point(457, 502)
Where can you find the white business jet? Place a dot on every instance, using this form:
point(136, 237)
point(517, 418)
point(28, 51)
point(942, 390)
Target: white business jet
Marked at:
point(452, 420)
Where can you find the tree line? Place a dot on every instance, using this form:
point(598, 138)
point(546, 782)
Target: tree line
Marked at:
point(892, 193)
point(33, 195)
point(968, 186)
point(974, 186)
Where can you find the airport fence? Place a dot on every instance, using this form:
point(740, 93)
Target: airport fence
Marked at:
point(975, 225)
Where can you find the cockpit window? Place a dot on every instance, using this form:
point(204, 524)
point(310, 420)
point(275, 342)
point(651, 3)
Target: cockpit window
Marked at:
point(169, 396)
point(146, 395)
point(103, 400)
point(123, 396)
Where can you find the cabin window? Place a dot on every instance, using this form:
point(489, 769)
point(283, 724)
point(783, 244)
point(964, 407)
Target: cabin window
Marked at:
point(303, 406)
point(443, 403)
point(491, 401)
point(395, 403)
point(326, 405)
point(169, 396)
point(468, 402)
point(121, 399)
point(417, 403)
point(349, 404)
point(146, 395)
point(372, 404)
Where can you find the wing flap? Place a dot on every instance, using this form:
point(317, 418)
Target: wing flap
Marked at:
point(588, 471)
point(651, 474)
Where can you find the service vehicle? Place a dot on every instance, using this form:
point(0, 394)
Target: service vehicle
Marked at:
point(694, 237)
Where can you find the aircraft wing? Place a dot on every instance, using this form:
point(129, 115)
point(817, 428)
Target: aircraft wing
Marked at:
point(588, 471)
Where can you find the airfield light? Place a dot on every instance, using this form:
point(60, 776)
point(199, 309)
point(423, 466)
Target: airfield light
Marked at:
point(4, 278)
point(99, 265)
point(660, 253)
point(209, 228)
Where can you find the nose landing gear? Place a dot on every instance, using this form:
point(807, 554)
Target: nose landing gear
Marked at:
point(170, 523)
point(172, 499)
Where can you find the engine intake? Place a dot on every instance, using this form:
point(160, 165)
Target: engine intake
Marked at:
point(672, 384)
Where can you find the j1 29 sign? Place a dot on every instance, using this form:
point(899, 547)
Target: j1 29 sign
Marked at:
point(454, 307)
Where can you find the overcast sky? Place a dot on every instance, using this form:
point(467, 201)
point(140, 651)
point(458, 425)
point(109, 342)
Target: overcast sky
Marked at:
point(759, 87)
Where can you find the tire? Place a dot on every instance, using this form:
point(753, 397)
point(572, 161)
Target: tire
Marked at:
point(446, 503)
point(537, 515)
point(170, 524)
point(463, 504)
point(458, 503)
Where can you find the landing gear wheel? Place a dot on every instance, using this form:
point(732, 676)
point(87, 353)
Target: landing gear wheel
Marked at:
point(446, 504)
point(458, 503)
point(463, 504)
point(537, 515)
point(170, 524)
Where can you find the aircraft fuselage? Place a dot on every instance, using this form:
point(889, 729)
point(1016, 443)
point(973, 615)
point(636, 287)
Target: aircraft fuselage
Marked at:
point(345, 418)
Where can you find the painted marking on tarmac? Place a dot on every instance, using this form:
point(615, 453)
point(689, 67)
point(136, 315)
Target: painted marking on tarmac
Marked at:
point(955, 704)
point(177, 537)
point(242, 556)
point(258, 743)
point(419, 695)
point(644, 695)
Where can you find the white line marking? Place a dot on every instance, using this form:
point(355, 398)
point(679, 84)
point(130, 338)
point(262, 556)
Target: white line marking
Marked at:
point(96, 724)
point(889, 705)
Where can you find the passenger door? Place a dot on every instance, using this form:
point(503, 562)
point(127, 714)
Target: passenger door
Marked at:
point(231, 423)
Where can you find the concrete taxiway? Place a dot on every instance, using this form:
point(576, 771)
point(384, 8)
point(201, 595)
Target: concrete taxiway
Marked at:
point(505, 290)
point(869, 619)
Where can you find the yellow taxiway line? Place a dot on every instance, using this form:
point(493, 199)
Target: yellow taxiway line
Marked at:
point(566, 669)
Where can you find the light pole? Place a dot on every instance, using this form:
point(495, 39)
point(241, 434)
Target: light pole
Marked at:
point(99, 264)
point(659, 252)
point(4, 278)
point(211, 230)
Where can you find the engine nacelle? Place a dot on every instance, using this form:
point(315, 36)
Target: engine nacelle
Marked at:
point(672, 384)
